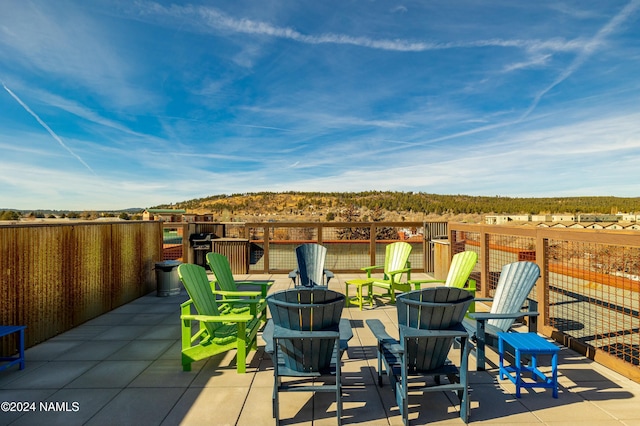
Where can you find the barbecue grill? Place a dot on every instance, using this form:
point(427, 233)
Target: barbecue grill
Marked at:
point(201, 245)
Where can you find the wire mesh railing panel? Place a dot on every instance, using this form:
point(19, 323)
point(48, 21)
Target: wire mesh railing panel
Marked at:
point(256, 248)
point(469, 241)
point(594, 295)
point(347, 255)
point(283, 241)
point(172, 243)
point(232, 230)
point(346, 247)
point(504, 249)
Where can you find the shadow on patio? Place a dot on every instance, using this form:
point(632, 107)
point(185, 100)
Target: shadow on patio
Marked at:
point(124, 368)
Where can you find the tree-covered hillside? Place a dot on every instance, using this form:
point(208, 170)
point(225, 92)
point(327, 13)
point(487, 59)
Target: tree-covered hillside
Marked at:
point(402, 202)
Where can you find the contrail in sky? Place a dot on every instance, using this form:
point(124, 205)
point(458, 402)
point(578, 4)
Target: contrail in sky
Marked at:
point(586, 53)
point(47, 128)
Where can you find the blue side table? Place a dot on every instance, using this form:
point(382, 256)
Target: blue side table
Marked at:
point(533, 345)
point(6, 330)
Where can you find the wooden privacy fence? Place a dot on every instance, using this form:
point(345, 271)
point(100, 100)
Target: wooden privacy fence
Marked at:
point(588, 294)
point(57, 276)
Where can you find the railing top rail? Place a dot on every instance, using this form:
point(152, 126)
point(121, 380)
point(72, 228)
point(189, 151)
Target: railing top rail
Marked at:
point(627, 238)
point(336, 224)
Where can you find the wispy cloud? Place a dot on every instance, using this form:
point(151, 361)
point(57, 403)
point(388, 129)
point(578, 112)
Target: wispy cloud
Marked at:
point(204, 18)
point(173, 100)
point(69, 43)
point(535, 61)
point(46, 127)
point(587, 51)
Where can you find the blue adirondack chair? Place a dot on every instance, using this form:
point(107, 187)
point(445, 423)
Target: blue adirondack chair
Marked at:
point(429, 321)
point(514, 285)
point(306, 339)
point(310, 271)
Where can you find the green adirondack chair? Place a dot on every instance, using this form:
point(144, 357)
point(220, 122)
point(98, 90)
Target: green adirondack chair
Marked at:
point(397, 273)
point(226, 286)
point(462, 265)
point(429, 322)
point(207, 332)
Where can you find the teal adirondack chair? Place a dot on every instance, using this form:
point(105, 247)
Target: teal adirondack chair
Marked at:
point(429, 321)
point(310, 271)
point(397, 273)
point(514, 285)
point(207, 332)
point(305, 339)
point(226, 286)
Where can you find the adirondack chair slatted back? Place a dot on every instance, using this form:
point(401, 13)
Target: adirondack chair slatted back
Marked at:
point(307, 309)
point(221, 268)
point(462, 265)
point(438, 308)
point(196, 283)
point(514, 285)
point(396, 257)
point(311, 259)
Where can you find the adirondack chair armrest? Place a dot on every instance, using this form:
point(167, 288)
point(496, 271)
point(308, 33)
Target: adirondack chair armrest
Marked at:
point(410, 332)
point(399, 271)
point(344, 327)
point(380, 333)
point(470, 285)
point(272, 331)
point(426, 281)
point(483, 316)
point(286, 333)
point(263, 284)
point(252, 294)
point(237, 318)
point(327, 273)
point(293, 274)
point(369, 269)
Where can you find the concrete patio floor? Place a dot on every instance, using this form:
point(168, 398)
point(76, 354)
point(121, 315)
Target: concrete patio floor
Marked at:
point(123, 368)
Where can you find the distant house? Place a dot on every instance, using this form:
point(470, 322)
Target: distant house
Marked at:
point(563, 218)
point(192, 217)
point(618, 221)
point(540, 218)
point(598, 218)
point(176, 215)
point(614, 226)
point(594, 226)
point(501, 219)
point(163, 215)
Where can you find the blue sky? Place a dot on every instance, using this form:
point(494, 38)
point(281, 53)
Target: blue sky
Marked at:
point(117, 104)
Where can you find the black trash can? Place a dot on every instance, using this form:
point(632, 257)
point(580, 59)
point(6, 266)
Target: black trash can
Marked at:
point(167, 279)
